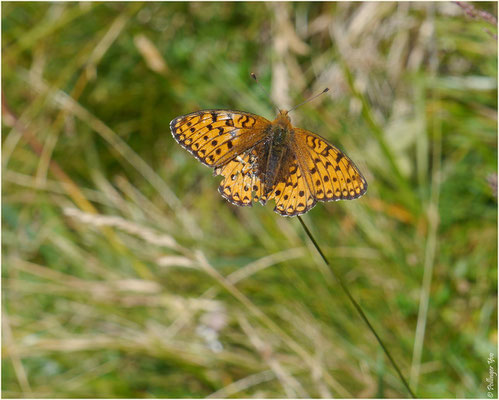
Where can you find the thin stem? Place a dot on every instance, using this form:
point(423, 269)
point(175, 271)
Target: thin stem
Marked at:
point(357, 307)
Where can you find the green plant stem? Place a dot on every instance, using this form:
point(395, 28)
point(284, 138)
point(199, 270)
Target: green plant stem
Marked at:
point(357, 307)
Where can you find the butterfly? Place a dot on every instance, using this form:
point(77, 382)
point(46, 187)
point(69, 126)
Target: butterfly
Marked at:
point(262, 160)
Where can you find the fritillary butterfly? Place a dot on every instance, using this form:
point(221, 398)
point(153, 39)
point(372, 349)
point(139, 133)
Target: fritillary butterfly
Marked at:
point(262, 160)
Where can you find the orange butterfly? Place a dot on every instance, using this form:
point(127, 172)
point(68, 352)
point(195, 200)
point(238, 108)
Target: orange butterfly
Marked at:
point(262, 160)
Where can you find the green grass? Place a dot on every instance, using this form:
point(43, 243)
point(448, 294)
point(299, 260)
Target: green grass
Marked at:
point(125, 274)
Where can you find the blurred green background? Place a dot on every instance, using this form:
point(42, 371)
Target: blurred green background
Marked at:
point(126, 274)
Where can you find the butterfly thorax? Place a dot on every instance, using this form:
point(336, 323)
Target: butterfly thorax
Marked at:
point(280, 130)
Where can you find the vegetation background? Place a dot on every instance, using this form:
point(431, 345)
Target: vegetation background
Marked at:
point(124, 272)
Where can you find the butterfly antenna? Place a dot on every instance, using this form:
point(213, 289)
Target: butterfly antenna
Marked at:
point(310, 99)
point(265, 90)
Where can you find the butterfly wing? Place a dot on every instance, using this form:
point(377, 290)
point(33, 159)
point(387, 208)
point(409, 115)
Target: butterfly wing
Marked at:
point(241, 185)
point(329, 173)
point(215, 137)
point(293, 197)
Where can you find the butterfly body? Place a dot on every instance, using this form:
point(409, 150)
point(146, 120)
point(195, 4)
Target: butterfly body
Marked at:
point(277, 148)
point(262, 160)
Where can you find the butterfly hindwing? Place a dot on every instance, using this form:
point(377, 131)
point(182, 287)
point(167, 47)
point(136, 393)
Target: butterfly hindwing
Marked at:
point(215, 137)
point(294, 196)
point(240, 185)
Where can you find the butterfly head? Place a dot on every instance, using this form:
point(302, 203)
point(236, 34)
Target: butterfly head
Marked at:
point(283, 118)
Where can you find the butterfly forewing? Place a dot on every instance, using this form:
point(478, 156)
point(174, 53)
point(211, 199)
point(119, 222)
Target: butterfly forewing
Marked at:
point(332, 175)
point(215, 137)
